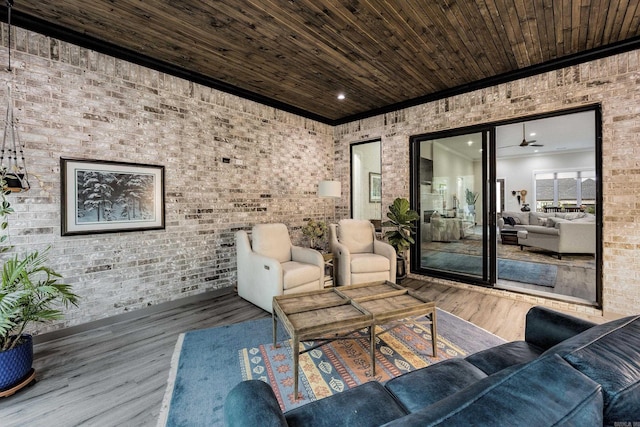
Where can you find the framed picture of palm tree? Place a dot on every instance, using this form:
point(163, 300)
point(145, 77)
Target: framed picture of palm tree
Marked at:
point(100, 196)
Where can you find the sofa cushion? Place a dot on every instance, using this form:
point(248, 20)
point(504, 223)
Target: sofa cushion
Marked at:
point(495, 359)
point(553, 222)
point(425, 386)
point(545, 392)
point(571, 215)
point(541, 229)
point(271, 240)
point(356, 235)
point(540, 218)
point(610, 355)
point(369, 404)
point(369, 263)
point(520, 218)
point(586, 218)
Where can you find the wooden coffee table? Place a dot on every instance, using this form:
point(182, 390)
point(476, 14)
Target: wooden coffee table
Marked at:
point(337, 313)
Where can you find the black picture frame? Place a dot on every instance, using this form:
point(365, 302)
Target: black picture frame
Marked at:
point(101, 196)
point(375, 187)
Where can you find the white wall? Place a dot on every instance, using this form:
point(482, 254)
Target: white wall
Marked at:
point(448, 167)
point(366, 159)
point(518, 172)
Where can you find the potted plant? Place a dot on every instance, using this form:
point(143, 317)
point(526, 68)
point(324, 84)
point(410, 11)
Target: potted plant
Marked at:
point(401, 220)
point(471, 199)
point(316, 232)
point(29, 292)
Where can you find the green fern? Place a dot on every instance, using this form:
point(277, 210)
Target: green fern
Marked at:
point(29, 293)
point(29, 290)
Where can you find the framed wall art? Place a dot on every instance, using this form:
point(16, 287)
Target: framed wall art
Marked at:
point(108, 197)
point(375, 187)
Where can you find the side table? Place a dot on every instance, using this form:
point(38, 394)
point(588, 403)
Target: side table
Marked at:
point(509, 237)
point(329, 270)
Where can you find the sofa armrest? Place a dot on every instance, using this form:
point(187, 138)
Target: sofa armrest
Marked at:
point(252, 403)
point(577, 237)
point(545, 327)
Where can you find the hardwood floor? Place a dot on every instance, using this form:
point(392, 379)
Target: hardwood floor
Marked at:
point(116, 375)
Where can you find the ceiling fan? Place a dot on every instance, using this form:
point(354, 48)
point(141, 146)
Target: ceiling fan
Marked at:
point(525, 143)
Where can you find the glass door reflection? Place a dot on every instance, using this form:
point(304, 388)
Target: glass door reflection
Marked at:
point(451, 206)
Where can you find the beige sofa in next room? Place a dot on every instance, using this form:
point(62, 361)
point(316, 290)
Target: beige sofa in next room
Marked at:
point(558, 232)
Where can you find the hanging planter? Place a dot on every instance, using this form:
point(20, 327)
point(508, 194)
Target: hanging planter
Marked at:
point(15, 182)
point(13, 168)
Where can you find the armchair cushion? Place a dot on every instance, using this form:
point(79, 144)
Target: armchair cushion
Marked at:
point(272, 240)
point(369, 263)
point(356, 235)
point(297, 273)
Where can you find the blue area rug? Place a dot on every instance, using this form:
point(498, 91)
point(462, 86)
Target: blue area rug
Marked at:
point(208, 363)
point(534, 273)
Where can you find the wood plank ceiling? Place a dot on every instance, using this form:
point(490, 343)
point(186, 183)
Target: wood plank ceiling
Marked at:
point(379, 53)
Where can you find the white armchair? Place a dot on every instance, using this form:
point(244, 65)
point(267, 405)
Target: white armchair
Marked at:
point(358, 256)
point(269, 265)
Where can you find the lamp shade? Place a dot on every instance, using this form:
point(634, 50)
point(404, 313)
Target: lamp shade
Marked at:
point(330, 189)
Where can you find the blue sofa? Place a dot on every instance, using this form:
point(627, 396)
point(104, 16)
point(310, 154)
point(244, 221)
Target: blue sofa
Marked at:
point(567, 372)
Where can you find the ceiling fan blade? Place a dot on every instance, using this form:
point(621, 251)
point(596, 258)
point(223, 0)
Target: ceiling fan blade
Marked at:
point(536, 145)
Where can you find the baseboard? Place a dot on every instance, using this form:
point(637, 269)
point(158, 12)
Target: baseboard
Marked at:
point(132, 315)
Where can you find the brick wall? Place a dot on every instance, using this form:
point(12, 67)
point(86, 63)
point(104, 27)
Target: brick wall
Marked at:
point(73, 102)
point(612, 82)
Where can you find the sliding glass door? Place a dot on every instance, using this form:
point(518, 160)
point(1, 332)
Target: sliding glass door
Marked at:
point(448, 176)
point(513, 205)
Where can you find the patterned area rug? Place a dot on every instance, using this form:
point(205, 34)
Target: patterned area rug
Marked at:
point(344, 364)
point(208, 363)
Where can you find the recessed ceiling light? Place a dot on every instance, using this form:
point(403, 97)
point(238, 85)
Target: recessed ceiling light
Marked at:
point(532, 134)
point(341, 96)
point(469, 143)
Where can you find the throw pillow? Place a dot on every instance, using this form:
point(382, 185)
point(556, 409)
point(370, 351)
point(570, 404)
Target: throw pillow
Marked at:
point(509, 220)
point(574, 215)
point(553, 222)
point(543, 221)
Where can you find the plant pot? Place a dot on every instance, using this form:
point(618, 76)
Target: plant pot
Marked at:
point(401, 268)
point(15, 364)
